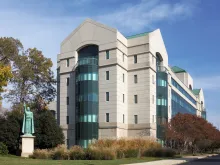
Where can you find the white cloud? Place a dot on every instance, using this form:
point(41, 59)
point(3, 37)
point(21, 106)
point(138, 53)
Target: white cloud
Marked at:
point(208, 83)
point(146, 14)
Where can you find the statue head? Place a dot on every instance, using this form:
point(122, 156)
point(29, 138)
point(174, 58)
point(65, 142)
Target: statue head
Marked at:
point(28, 108)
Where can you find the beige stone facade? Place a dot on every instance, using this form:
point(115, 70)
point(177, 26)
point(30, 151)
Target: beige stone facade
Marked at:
point(121, 85)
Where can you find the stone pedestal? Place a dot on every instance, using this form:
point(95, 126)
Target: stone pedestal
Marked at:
point(27, 145)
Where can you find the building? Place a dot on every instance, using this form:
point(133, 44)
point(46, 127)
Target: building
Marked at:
point(112, 86)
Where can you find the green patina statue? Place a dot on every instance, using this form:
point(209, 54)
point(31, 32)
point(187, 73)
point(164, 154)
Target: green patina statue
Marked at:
point(28, 122)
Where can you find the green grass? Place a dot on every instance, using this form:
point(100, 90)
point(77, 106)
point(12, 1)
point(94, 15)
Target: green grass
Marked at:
point(13, 160)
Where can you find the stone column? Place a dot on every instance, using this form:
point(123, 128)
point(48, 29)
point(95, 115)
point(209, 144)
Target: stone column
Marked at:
point(27, 145)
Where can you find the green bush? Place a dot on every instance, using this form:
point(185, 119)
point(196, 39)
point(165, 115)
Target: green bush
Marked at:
point(60, 153)
point(131, 153)
point(77, 153)
point(41, 154)
point(3, 149)
point(159, 152)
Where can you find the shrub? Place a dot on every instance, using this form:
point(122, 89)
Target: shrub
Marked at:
point(159, 152)
point(77, 153)
point(41, 154)
point(131, 153)
point(3, 149)
point(95, 153)
point(60, 153)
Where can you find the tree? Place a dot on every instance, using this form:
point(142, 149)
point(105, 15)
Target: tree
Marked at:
point(187, 132)
point(48, 133)
point(9, 50)
point(33, 79)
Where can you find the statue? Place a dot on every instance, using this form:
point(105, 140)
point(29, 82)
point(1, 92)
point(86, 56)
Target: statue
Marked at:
point(28, 122)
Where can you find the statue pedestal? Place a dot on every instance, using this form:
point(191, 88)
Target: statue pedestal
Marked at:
point(27, 145)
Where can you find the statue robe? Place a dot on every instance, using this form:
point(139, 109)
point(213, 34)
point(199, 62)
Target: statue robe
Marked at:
point(28, 123)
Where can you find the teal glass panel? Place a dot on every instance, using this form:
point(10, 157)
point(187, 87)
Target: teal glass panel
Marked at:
point(87, 95)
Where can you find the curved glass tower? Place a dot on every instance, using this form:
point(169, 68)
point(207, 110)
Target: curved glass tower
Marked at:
point(87, 95)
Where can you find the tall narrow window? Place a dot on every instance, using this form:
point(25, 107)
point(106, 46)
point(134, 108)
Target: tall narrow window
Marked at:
point(135, 119)
point(123, 98)
point(153, 79)
point(67, 119)
point(67, 81)
point(123, 57)
point(67, 142)
point(107, 75)
point(67, 100)
point(135, 79)
point(135, 99)
point(107, 96)
point(67, 62)
point(107, 117)
point(152, 99)
point(107, 54)
point(123, 77)
point(123, 118)
point(135, 59)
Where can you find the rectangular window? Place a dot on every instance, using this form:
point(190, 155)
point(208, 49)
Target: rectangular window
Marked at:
point(123, 77)
point(107, 75)
point(67, 142)
point(135, 79)
point(152, 99)
point(135, 119)
point(67, 100)
point(123, 98)
point(107, 96)
point(123, 118)
point(67, 119)
point(135, 99)
point(67, 81)
point(107, 117)
point(107, 54)
point(153, 79)
point(123, 57)
point(67, 62)
point(135, 59)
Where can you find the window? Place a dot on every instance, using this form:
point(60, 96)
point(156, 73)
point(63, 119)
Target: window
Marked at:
point(123, 57)
point(135, 119)
point(67, 100)
point(153, 79)
point(107, 75)
point(67, 119)
point(67, 142)
point(67, 63)
point(107, 117)
point(107, 96)
point(67, 81)
point(135, 59)
point(135, 99)
point(123, 98)
point(123, 118)
point(135, 79)
point(107, 54)
point(123, 77)
point(152, 99)
point(153, 118)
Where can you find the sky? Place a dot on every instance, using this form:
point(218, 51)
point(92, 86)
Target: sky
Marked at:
point(190, 29)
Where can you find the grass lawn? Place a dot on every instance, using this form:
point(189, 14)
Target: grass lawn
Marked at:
point(13, 160)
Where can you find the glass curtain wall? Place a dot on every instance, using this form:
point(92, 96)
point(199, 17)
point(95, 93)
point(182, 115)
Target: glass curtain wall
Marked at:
point(162, 95)
point(87, 95)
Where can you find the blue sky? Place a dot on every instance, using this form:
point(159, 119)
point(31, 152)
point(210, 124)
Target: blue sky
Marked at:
point(190, 29)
